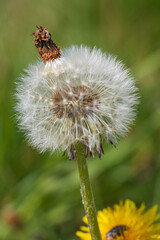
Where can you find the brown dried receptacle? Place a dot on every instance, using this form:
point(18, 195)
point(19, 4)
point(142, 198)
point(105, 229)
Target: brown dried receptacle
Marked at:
point(46, 48)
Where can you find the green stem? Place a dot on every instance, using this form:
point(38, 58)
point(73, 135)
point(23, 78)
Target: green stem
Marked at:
point(87, 195)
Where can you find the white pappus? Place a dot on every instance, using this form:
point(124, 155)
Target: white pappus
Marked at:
point(83, 96)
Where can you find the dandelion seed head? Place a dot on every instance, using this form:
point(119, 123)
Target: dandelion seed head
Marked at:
point(83, 96)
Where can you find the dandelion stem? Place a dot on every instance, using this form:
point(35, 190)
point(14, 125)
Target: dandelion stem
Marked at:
point(87, 194)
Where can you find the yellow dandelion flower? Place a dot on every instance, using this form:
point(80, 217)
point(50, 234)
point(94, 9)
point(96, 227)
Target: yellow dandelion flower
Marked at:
point(125, 222)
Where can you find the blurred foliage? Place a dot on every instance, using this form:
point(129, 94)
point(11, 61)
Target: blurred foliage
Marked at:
point(40, 194)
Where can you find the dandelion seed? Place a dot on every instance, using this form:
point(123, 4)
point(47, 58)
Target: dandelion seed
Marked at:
point(91, 97)
point(125, 222)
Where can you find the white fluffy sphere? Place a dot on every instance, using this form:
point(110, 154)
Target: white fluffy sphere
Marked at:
point(83, 96)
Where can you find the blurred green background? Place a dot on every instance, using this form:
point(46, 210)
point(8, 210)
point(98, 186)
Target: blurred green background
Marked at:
point(40, 194)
